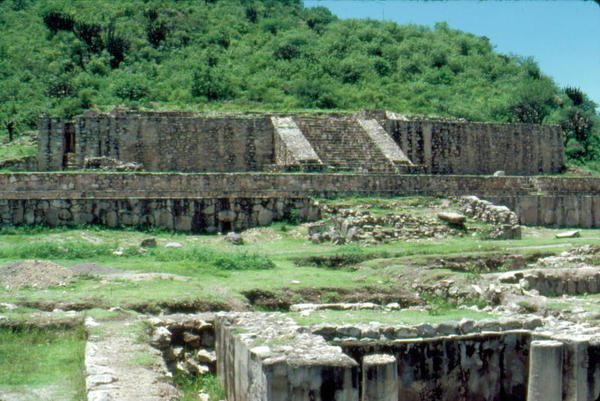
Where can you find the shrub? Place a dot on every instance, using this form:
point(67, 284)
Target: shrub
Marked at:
point(91, 35)
point(133, 87)
point(212, 83)
point(156, 32)
point(317, 18)
point(116, 46)
point(56, 20)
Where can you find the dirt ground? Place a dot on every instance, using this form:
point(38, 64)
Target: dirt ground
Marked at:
point(34, 274)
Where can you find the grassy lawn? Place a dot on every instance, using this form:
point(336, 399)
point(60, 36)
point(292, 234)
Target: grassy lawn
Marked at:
point(44, 362)
point(387, 317)
point(207, 269)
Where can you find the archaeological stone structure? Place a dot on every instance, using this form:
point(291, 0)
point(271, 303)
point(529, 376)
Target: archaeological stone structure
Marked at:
point(367, 142)
point(207, 173)
point(269, 357)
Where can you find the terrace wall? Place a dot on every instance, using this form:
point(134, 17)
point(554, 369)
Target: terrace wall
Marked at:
point(444, 147)
point(550, 201)
point(162, 141)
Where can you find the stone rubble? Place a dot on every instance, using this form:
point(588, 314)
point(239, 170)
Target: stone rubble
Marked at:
point(348, 225)
point(187, 342)
point(505, 221)
point(110, 164)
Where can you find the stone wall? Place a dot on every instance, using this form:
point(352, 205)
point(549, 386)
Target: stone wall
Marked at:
point(177, 185)
point(268, 357)
point(51, 144)
point(366, 142)
point(484, 367)
point(444, 147)
point(204, 215)
point(163, 141)
point(549, 201)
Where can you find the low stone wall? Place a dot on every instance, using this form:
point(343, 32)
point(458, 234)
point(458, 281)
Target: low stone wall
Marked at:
point(266, 357)
point(486, 367)
point(548, 201)
point(557, 281)
point(560, 210)
point(199, 215)
point(26, 164)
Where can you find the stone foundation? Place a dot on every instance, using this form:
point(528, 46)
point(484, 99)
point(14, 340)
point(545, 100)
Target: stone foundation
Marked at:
point(198, 215)
point(268, 357)
point(546, 201)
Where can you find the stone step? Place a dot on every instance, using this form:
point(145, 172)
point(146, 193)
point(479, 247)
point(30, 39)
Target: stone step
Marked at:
point(342, 144)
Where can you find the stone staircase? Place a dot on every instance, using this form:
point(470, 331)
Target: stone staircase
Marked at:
point(70, 162)
point(343, 145)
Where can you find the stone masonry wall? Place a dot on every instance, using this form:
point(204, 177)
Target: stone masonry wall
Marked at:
point(443, 147)
point(181, 141)
point(50, 144)
point(176, 141)
point(550, 201)
point(483, 367)
point(186, 215)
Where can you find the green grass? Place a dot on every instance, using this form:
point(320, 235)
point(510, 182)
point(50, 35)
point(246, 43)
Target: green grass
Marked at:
point(190, 386)
point(38, 358)
point(216, 272)
point(18, 149)
point(391, 317)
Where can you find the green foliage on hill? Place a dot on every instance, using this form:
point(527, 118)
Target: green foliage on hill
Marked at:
point(62, 57)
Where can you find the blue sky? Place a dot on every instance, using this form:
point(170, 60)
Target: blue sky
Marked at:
point(562, 36)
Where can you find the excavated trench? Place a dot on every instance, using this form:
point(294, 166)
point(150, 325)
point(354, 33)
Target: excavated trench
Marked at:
point(266, 356)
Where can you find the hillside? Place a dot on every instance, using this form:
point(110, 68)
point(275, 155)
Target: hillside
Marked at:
point(61, 57)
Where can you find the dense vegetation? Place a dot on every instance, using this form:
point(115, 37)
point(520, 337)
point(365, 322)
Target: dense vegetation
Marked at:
point(62, 56)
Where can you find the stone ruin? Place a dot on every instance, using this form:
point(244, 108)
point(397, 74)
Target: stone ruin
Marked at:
point(206, 173)
point(200, 173)
point(367, 142)
point(264, 357)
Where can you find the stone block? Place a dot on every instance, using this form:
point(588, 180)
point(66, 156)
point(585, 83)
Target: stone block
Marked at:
point(545, 371)
point(380, 378)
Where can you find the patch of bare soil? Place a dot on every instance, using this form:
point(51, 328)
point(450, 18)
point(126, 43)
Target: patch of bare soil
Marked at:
point(93, 269)
point(260, 235)
point(285, 297)
point(34, 274)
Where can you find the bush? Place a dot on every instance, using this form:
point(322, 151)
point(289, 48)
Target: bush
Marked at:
point(317, 18)
point(91, 35)
point(156, 32)
point(56, 20)
point(116, 46)
point(134, 88)
point(212, 83)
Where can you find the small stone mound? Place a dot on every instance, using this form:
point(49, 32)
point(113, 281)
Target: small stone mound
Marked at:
point(34, 273)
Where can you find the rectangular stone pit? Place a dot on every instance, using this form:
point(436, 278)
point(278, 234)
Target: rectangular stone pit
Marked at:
point(268, 357)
